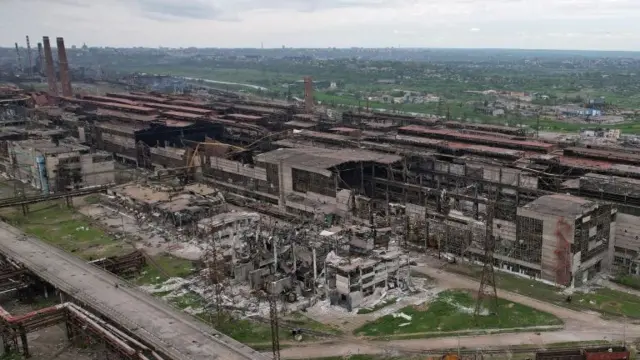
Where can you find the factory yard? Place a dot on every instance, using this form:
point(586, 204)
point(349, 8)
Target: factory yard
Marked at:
point(453, 310)
point(274, 224)
point(601, 299)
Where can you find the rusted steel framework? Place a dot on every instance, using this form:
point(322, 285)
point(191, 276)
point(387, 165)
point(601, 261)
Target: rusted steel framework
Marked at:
point(83, 328)
point(122, 265)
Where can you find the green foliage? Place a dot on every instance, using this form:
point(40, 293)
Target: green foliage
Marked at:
point(452, 310)
point(300, 320)
point(162, 267)
point(632, 281)
point(11, 356)
point(63, 227)
point(606, 301)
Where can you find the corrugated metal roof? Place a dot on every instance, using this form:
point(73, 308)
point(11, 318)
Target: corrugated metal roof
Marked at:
point(628, 232)
point(323, 159)
point(179, 108)
point(471, 138)
point(560, 205)
point(180, 114)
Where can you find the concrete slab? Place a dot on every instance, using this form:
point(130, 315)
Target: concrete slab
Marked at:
point(170, 331)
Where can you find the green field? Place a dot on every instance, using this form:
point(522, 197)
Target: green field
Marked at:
point(455, 95)
point(451, 311)
point(298, 319)
point(606, 301)
point(630, 281)
point(63, 227)
point(162, 267)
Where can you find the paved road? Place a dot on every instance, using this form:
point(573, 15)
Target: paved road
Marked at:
point(170, 331)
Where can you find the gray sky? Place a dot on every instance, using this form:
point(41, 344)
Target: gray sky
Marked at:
point(547, 24)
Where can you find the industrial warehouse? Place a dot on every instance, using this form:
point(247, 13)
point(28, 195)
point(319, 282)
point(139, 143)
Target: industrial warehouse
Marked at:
point(285, 207)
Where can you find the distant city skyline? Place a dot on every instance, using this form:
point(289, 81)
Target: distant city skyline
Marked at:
point(517, 24)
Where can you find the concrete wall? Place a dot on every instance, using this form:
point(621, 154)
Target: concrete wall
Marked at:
point(96, 171)
point(552, 227)
point(118, 140)
point(342, 284)
point(23, 164)
point(505, 230)
point(238, 168)
point(507, 176)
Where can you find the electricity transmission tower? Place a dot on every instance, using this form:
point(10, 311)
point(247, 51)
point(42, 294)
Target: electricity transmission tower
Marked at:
point(487, 290)
point(273, 319)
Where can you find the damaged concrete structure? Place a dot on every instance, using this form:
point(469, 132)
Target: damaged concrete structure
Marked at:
point(52, 166)
point(352, 280)
point(415, 182)
point(563, 239)
point(178, 207)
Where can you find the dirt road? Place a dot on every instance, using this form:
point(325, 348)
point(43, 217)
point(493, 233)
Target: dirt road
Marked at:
point(425, 345)
point(579, 326)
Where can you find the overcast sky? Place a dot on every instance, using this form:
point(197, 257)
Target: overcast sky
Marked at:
point(537, 24)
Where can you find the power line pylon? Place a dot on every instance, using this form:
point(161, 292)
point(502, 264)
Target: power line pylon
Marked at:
point(488, 290)
point(273, 319)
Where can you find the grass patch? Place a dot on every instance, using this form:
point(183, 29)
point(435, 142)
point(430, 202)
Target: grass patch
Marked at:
point(630, 281)
point(188, 300)
point(267, 347)
point(162, 267)
point(63, 227)
point(590, 343)
point(56, 224)
point(300, 320)
point(11, 356)
point(379, 306)
point(478, 332)
point(452, 310)
point(365, 357)
point(242, 330)
point(92, 199)
point(606, 301)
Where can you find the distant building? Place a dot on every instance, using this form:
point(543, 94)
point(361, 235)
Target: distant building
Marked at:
point(431, 98)
point(609, 134)
point(578, 111)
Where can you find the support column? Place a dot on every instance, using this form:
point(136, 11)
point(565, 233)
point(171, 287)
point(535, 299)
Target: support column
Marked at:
point(281, 192)
point(69, 328)
point(6, 340)
point(315, 266)
point(361, 178)
point(476, 210)
point(25, 344)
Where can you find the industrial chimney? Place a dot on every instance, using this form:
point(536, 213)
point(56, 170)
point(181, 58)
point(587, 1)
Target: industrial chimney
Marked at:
point(63, 65)
point(40, 62)
point(29, 59)
point(18, 58)
point(51, 73)
point(308, 94)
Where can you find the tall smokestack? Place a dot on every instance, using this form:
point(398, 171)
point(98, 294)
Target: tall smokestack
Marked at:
point(30, 68)
point(40, 63)
point(51, 73)
point(63, 65)
point(18, 58)
point(308, 94)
